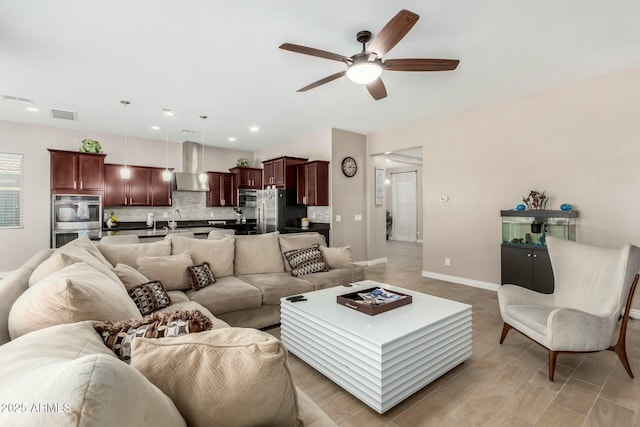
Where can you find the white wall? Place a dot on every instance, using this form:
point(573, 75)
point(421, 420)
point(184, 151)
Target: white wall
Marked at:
point(313, 146)
point(579, 143)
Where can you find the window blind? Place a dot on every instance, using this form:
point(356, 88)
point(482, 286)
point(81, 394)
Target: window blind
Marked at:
point(11, 190)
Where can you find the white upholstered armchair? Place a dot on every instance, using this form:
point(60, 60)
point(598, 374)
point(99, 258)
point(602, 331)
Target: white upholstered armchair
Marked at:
point(592, 286)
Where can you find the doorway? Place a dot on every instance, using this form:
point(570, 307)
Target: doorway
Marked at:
point(404, 211)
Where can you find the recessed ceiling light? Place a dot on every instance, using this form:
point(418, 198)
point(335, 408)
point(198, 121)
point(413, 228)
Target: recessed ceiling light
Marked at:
point(33, 109)
point(231, 139)
point(387, 152)
point(167, 111)
point(187, 131)
point(254, 129)
point(155, 127)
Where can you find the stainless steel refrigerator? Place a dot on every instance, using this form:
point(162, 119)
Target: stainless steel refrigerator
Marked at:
point(277, 209)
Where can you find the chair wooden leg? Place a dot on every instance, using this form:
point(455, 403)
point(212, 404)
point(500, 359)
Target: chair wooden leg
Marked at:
point(505, 330)
point(552, 363)
point(620, 347)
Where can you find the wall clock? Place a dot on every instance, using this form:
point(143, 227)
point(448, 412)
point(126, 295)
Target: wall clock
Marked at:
point(349, 167)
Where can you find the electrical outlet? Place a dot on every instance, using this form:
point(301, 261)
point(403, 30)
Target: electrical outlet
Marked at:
point(357, 217)
point(338, 218)
point(447, 261)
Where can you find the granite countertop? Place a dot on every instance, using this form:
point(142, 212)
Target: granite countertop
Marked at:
point(314, 226)
point(197, 227)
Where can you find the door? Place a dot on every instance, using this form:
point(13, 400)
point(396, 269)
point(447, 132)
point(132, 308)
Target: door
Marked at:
point(268, 173)
point(405, 209)
point(64, 171)
point(140, 186)
point(227, 189)
point(90, 172)
point(516, 266)
point(114, 186)
point(160, 189)
point(543, 280)
point(279, 172)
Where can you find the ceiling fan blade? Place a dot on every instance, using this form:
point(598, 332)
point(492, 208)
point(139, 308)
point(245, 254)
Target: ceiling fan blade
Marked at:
point(421, 64)
point(313, 52)
point(393, 32)
point(323, 81)
point(376, 89)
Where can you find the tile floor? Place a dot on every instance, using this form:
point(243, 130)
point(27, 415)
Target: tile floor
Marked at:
point(501, 385)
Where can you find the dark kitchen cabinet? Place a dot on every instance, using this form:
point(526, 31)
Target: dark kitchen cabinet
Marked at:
point(145, 187)
point(221, 189)
point(160, 189)
point(313, 183)
point(247, 177)
point(527, 267)
point(76, 173)
point(281, 171)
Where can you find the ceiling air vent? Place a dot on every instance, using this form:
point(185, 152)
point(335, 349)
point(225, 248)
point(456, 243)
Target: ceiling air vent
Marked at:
point(19, 99)
point(63, 114)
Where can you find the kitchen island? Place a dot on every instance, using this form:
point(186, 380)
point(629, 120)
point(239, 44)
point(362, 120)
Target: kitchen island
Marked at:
point(200, 229)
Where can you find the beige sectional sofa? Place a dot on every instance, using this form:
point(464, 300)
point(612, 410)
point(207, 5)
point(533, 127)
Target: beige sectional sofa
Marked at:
point(56, 370)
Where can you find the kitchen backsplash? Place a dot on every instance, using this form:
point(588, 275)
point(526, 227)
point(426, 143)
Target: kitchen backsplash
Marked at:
point(192, 206)
point(319, 214)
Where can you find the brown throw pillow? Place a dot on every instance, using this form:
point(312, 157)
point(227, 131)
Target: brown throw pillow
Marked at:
point(200, 276)
point(150, 297)
point(118, 335)
point(306, 261)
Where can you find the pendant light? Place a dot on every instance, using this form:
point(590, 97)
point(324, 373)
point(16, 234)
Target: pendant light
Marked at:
point(125, 172)
point(203, 176)
point(166, 174)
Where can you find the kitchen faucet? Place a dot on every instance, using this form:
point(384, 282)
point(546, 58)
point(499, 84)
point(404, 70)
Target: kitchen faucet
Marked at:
point(173, 224)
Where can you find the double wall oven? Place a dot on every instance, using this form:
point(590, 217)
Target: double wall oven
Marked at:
point(73, 215)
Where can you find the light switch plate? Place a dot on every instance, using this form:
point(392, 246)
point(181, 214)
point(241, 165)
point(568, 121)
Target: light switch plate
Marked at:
point(338, 218)
point(357, 217)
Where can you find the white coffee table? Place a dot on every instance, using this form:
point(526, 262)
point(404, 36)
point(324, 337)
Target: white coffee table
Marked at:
point(380, 359)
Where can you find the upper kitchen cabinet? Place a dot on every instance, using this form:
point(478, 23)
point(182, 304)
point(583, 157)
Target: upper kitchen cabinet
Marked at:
point(221, 189)
point(247, 177)
point(145, 187)
point(281, 171)
point(313, 183)
point(76, 173)
point(160, 189)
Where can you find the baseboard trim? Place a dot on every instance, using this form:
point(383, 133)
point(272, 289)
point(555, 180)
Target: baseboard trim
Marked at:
point(372, 261)
point(462, 281)
point(419, 241)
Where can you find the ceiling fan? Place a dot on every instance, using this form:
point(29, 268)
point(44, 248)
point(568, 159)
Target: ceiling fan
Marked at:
point(367, 66)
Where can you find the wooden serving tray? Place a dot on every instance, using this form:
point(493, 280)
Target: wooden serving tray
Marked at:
point(349, 300)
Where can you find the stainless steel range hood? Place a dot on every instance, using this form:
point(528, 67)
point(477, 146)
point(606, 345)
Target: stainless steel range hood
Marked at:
point(187, 180)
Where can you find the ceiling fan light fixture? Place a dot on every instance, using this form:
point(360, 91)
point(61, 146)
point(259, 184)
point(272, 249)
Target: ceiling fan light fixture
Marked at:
point(364, 72)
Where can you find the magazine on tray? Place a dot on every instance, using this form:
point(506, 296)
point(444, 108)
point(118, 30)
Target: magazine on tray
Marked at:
point(378, 296)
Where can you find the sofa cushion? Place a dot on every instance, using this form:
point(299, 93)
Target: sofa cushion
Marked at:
point(226, 377)
point(149, 297)
point(192, 305)
point(69, 368)
point(129, 276)
point(200, 276)
point(78, 250)
point(292, 241)
point(129, 253)
point(258, 254)
point(218, 253)
point(277, 285)
point(335, 277)
point(171, 270)
point(306, 261)
point(118, 335)
point(75, 293)
point(337, 257)
point(177, 296)
point(227, 294)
